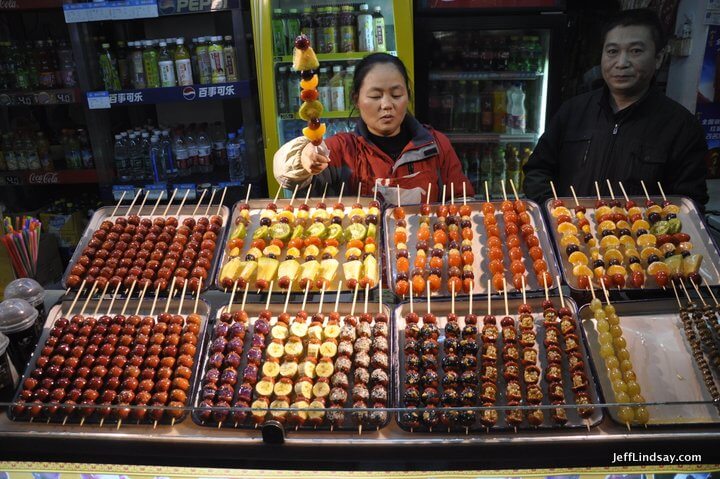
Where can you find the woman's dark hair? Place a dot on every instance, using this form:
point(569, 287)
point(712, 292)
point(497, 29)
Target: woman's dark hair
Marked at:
point(367, 63)
point(642, 17)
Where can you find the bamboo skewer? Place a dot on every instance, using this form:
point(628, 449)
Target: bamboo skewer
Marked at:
point(367, 295)
point(232, 295)
point(554, 192)
point(198, 202)
point(352, 308)
point(182, 298)
point(222, 199)
point(157, 294)
point(322, 300)
point(167, 207)
point(122, 197)
point(337, 297)
point(157, 203)
point(307, 290)
point(662, 192)
point(489, 306)
point(170, 294)
point(72, 305)
point(112, 300)
point(182, 203)
point(642, 183)
point(287, 297)
point(197, 295)
point(100, 300)
point(322, 200)
point(212, 197)
point(572, 190)
point(140, 300)
point(142, 205)
point(129, 296)
point(267, 302)
point(137, 195)
point(610, 189)
point(87, 300)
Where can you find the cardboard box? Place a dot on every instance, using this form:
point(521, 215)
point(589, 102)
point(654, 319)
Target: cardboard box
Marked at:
point(67, 228)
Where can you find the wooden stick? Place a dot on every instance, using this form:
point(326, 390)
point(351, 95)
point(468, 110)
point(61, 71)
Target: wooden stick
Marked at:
point(427, 198)
point(137, 195)
point(380, 303)
point(322, 299)
point(697, 290)
point(547, 293)
point(487, 192)
point(682, 284)
point(488, 298)
point(212, 197)
point(552, 187)
point(142, 205)
point(572, 190)
point(140, 300)
point(157, 293)
point(72, 305)
point(292, 198)
point(676, 295)
point(452, 299)
point(359, 192)
point(398, 195)
point(607, 297)
point(342, 190)
point(322, 200)
point(514, 190)
point(367, 294)
point(337, 297)
point(287, 297)
point(470, 304)
point(507, 309)
point(127, 300)
point(202, 196)
point(562, 298)
point(622, 188)
point(170, 294)
point(112, 300)
point(182, 297)
point(352, 308)
point(222, 199)
point(182, 203)
point(167, 208)
point(452, 193)
point(712, 294)
point(247, 195)
point(307, 289)
point(267, 302)
point(642, 183)
point(464, 194)
point(428, 296)
point(242, 306)
point(277, 195)
point(100, 300)
point(375, 191)
point(504, 192)
point(662, 192)
point(90, 294)
point(592, 289)
point(443, 194)
point(232, 294)
point(197, 295)
point(157, 203)
point(411, 298)
point(610, 188)
point(122, 197)
point(523, 288)
point(597, 190)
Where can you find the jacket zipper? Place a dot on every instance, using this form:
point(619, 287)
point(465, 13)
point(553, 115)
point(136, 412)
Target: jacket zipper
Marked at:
point(615, 129)
point(611, 151)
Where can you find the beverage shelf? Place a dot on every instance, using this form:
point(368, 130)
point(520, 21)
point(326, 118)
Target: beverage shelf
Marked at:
point(331, 57)
point(492, 137)
point(60, 177)
point(20, 5)
point(64, 96)
point(460, 75)
point(98, 100)
point(326, 114)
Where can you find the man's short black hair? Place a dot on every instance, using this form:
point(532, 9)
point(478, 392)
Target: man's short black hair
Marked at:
point(640, 16)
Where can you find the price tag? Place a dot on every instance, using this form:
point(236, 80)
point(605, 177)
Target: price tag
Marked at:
point(98, 100)
point(229, 184)
point(157, 190)
point(129, 190)
point(182, 188)
point(287, 116)
point(64, 97)
point(24, 99)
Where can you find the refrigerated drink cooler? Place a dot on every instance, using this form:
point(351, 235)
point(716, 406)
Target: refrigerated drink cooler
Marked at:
point(488, 83)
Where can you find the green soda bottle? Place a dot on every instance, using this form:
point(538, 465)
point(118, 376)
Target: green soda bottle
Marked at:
point(278, 33)
point(150, 62)
point(203, 60)
point(217, 60)
point(108, 69)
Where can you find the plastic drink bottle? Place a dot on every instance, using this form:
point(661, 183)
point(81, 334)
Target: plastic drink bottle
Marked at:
point(366, 36)
point(337, 90)
point(183, 64)
point(150, 63)
point(230, 59)
point(278, 33)
point(203, 58)
point(138, 69)
point(108, 68)
point(379, 30)
point(166, 66)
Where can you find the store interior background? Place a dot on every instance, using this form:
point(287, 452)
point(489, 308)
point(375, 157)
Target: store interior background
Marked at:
point(71, 204)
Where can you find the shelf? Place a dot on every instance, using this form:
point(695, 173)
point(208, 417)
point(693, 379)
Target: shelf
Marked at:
point(64, 96)
point(183, 7)
point(330, 115)
point(98, 100)
point(60, 177)
point(331, 57)
point(492, 138)
point(110, 10)
point(452, 75)
point(20, 5)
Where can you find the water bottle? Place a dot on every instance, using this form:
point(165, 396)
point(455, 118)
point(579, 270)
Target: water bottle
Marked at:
point(144, 152)
point(237, 173)
point(135, 160)
point(180, 155)
point(170, 168)
point(121, 160)
point(157, 160)
point(189, 140)
point(219, 155)
point(516, 109)
point(204, 152)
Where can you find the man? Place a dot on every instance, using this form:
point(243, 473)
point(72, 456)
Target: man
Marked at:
point(626, 131)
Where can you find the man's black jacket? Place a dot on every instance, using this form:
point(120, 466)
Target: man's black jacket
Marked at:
point(655, 139)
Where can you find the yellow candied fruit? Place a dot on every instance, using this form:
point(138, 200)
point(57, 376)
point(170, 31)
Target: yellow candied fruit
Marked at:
point(640, 224)
point(567, 228)
point(560, 210)
point(586, 229)
point(569, 239)
point(623, 225)
point(653, 209)
point(602, 211)
point(635, 210)
point(594, 254)
point(314, 135)
point(657, 267)
point(627, 241)
point(635, 267)
point(609, 242)
point(649, 251)
point(578, 257)
point(616, 269)
point(582, 270)
point(630, 252)
point(310, 84)
point(599, 271)
point(646, 240)
point(580, 215)
point(674, 209)
point(606, 225)
point(612, 254)
point(592, 243)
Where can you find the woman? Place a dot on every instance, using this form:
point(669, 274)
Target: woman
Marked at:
point(389, 147)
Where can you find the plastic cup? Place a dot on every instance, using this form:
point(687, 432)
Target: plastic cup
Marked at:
point(18, 321)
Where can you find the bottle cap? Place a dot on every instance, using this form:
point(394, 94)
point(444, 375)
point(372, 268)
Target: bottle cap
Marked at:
point(231, 136)
point(336, 68)
point(377, 8)
point(106, 45)
point(163, 44)
point(364, 7)
point(180, 41)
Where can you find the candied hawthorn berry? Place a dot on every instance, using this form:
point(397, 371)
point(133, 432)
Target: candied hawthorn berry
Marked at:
point(307, 74)
point(302, 42)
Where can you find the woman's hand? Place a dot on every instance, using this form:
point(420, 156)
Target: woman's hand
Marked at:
point(312, 161)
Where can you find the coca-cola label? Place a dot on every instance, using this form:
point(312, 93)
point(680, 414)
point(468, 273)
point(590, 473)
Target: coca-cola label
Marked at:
point(43, 178)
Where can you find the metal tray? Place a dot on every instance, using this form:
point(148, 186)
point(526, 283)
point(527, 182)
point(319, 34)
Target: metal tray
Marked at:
point(55, 314)
point(481, 262)
point(442, 308)
point(253, 310)
point(692, 224)
point(665, 368)
point(256, 208)
point(102, 214)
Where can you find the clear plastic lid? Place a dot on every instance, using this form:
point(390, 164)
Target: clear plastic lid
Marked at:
point(27, 289)
point(4, 341)
point(16, 315)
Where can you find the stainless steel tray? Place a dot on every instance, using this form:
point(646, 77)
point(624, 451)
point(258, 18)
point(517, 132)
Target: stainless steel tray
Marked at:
point(55, 314)
point(442, 308)
point(102, 214)
point(481, 262)
point(692, 224)
point(663, 362)
point(256, 208)
point(253, 311)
